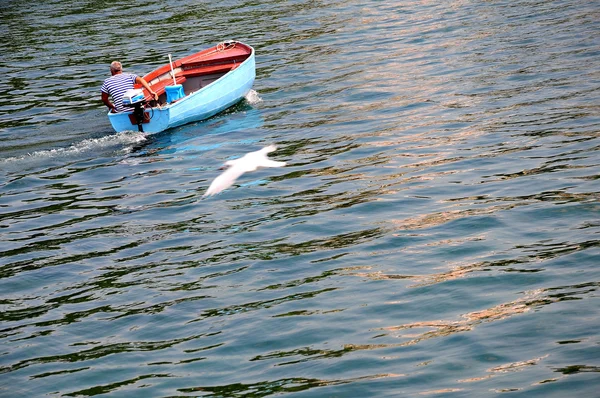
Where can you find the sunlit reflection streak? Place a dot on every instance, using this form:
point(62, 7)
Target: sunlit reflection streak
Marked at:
point(441, 328)
point(518, 366)
point(527, 255)
point(430, 220)
point(532, 300)
point(434, 219)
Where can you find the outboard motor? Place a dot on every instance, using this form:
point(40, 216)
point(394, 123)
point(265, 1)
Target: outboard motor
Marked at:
point(135, 98)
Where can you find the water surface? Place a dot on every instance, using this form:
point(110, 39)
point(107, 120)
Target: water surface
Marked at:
point(436, 230)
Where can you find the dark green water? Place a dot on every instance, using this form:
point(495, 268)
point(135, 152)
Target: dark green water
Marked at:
point(436, 231)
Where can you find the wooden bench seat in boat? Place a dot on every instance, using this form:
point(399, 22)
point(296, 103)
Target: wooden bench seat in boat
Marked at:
point(191, 70)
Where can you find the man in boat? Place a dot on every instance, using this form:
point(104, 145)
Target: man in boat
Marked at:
point(116, 86)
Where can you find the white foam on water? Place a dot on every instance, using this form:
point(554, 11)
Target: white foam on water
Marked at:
point(253, 98)
point(123, 142)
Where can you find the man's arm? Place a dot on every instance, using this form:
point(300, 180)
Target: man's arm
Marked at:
point(140, 80)
point(107, 102)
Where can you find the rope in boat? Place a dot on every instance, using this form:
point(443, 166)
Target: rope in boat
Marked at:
point(224, 45)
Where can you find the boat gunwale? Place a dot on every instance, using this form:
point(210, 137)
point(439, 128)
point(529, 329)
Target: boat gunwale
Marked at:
point(179, 66)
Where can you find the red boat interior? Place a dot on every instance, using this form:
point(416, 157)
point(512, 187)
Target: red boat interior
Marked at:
point(198, 70)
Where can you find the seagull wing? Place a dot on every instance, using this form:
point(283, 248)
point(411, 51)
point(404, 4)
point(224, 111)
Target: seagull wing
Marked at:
point(268, 149)
point(224, 181)
point(260, 158)
point(270, 163)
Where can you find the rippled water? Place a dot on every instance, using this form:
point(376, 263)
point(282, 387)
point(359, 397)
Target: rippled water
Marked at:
point(436, 230)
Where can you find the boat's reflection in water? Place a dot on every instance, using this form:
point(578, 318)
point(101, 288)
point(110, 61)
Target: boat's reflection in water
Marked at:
point(236, 125)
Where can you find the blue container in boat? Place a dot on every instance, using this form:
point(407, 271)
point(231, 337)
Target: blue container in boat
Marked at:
point(174, 92)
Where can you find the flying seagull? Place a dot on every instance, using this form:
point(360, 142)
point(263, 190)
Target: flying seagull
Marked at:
point(235, 168)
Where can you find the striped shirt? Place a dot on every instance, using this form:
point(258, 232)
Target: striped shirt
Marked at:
point(116, 86)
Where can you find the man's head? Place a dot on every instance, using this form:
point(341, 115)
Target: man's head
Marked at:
point(115, 67)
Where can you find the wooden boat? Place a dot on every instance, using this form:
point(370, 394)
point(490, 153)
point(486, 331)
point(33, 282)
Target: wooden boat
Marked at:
point(191, 89)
